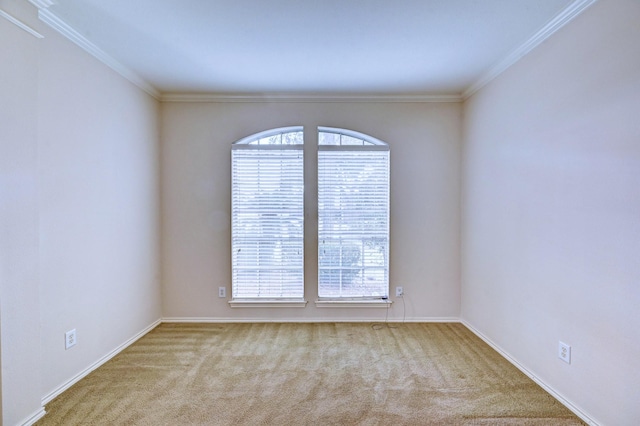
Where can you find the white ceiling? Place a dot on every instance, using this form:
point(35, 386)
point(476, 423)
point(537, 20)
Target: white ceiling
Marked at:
point(309, 46)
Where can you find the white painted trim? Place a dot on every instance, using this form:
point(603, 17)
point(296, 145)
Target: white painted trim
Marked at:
point(559, 21)
point(564, 401)
point(42, 4)
point(267, 303)
point(266, 133)
point(20, 24)
point(34, 417)
point(354, 303)
point(306, 98)
point(352, 133)
point(75, 379)
point(377, 319)
point(59, 25)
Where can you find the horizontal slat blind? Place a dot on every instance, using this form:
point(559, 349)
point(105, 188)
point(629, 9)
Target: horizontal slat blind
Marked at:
point(267, 223)
point(353, 228)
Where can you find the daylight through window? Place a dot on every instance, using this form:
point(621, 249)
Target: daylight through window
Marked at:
point(267, 215)
point(353, 215)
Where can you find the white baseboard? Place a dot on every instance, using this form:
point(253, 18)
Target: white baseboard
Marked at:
point(303, 320)
point(34, 417)
point(49, 397)
point(564, 401)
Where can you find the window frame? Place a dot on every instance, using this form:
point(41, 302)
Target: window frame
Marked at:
point(249, 143)
point(369, 144)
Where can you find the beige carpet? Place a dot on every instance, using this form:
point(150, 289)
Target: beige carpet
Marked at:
point(307, 374)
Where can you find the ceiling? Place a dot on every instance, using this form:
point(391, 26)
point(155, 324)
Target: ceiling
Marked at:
point(309, 46)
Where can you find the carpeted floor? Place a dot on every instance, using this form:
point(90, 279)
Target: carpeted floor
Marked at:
point(307, 374)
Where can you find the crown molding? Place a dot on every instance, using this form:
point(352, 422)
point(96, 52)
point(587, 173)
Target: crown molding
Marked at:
point(20, 24)
point(42, 4)
point(305, 98)
point(63, 28)
point(559, 21)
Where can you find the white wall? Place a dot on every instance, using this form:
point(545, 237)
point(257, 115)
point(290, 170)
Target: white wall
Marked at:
point(425, 193)
point(550, 190)
point(551, 211)
point(19, 291)
point(80, 171)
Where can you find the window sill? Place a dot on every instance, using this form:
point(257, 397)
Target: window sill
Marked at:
point(330, 303)
point(274, 303)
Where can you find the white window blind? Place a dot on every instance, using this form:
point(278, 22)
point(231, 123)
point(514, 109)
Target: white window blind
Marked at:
point(268, 217)
point(353, 215)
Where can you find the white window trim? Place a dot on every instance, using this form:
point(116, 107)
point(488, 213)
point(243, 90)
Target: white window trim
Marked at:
point(266, 133)
point(352, 148)
point(374, 144)
point(246, 144)
point(353, 134)
point(267, 303)
point(355, 303)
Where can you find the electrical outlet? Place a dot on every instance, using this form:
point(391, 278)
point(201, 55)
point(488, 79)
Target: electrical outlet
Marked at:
point(70, 339)
point(399, 291)
point(222, 292)
point(564, 352)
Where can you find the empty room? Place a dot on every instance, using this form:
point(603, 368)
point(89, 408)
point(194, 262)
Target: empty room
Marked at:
point(320, 212)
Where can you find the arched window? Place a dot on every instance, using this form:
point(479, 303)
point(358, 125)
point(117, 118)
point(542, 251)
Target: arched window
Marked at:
point(353, 215)
point(267, 215)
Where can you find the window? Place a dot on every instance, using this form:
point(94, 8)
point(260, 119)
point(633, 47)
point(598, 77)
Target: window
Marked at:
point(353, 215)
point(267, 215)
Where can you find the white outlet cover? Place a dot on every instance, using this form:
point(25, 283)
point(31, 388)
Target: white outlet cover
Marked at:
point(222, 292)
point(564, 352)
point(70, 339)
point(399, 291)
